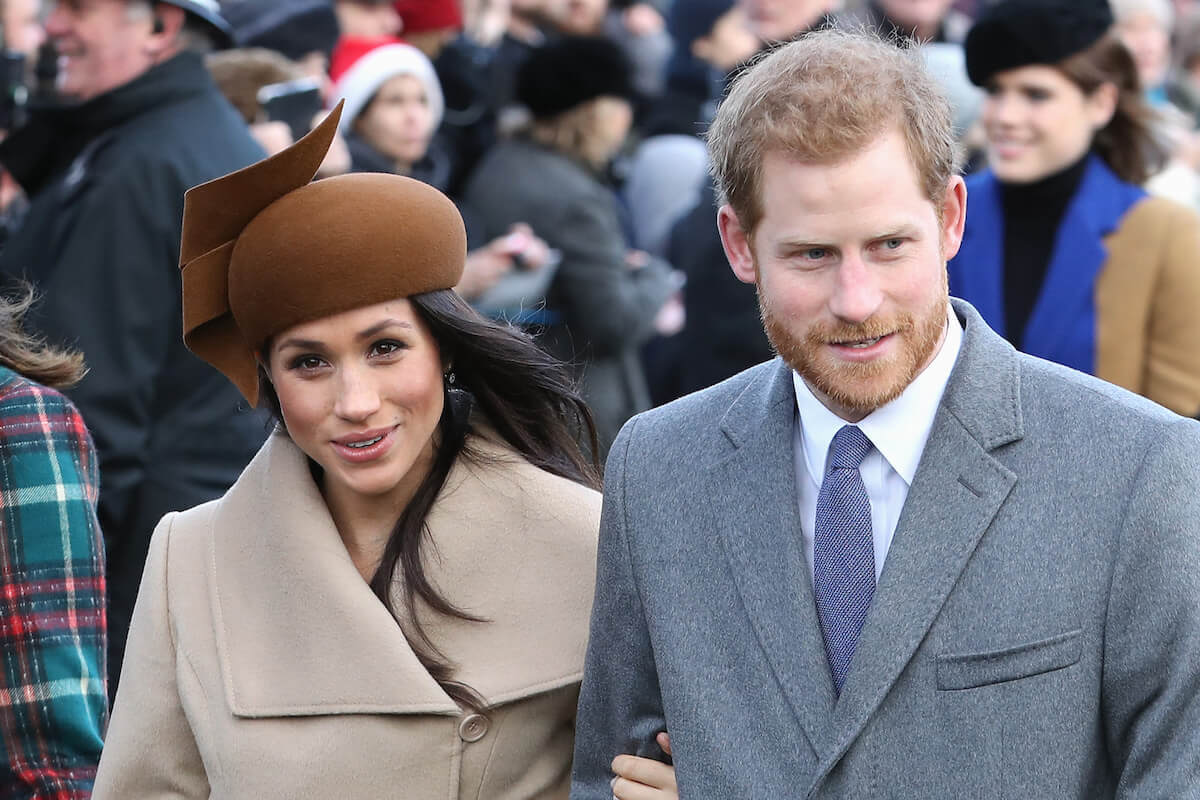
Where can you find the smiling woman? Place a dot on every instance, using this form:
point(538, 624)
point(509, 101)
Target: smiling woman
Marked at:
point(1064, 253)
point(393, 598)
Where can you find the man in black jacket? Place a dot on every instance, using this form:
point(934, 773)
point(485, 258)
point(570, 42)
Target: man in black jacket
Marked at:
point(106, 175)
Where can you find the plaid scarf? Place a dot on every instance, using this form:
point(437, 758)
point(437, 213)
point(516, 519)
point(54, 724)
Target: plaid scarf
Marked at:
point(53, 703)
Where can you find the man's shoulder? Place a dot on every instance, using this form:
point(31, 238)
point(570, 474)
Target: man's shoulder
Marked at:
point(1088, 415)
point(684, 422)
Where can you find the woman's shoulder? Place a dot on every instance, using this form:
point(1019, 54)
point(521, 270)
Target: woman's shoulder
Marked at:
point(529, 490)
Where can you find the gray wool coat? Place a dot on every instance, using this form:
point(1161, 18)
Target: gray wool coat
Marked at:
point(604, 310)
point(1035, 632)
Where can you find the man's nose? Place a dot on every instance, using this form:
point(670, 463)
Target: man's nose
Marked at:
point(856, 295)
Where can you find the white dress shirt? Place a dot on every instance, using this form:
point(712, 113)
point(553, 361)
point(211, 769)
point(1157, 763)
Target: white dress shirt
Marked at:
point(898, 430)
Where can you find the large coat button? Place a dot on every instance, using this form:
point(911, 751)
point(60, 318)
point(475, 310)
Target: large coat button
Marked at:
point(473, 728)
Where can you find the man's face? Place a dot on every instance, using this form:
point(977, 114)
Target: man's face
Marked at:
point(850, 263)
point(102, 44)
point(781, 20)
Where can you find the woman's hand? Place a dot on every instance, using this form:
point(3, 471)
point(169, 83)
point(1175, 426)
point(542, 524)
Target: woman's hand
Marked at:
point(644, 778)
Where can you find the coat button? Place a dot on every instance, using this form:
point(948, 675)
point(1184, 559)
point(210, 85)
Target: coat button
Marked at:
point(473, 728)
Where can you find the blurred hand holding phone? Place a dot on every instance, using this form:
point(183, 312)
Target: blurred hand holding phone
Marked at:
point(296, 103)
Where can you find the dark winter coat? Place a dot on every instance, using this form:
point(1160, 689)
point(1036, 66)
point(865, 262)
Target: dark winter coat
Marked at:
point(101, 243)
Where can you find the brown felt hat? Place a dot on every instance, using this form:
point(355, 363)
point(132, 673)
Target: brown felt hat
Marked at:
point(264, 249)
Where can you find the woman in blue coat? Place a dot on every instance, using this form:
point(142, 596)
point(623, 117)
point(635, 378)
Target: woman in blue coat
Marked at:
point(1064, 253)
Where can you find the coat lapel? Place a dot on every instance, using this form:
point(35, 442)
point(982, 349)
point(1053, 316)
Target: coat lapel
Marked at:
point(956, 492)
point(761, 538)
point(298, 630)
point(1067, 299)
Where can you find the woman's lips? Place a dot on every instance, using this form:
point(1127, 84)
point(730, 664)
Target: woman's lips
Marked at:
point(366, 446)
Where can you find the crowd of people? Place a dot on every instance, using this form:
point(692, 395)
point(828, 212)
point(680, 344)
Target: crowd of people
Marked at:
point(321, 319)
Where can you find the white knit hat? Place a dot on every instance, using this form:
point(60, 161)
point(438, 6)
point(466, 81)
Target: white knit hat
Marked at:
point(360, 83)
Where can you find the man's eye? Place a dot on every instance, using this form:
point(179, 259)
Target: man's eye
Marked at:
point(893, 244)
point(816, 253)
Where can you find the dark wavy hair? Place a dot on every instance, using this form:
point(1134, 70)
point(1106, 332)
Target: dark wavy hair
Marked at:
point(502, 380)
point(1128, 143)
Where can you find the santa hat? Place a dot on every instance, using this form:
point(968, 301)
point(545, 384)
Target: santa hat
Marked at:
point(380, 63)
point(420, 16)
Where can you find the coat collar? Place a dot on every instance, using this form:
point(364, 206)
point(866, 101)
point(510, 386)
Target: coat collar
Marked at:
point(299, 632)
point(1067, 294)
point(957, 490)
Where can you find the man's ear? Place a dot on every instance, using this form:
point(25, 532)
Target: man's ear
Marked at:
point(954, 216)
point(738, 247)
point(167, 23)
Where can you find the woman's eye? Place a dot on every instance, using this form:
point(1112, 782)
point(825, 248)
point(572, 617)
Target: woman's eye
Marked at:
point(1037, 95)
point(306, 363)
point(386, 348)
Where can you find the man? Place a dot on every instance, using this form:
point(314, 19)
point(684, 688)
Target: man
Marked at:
point(723, 334)
point(901, 560)
point(106, 175)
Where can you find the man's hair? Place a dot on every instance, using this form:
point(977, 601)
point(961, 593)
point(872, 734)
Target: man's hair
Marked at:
point(821, 99)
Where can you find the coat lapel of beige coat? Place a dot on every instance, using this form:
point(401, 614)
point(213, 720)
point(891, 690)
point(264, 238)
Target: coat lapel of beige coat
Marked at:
point(300, 633)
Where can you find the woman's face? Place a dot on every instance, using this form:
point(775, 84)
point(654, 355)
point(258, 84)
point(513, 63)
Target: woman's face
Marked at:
point(398, 121)
point(1038, 122)
point(361, 395)
point(613, 117)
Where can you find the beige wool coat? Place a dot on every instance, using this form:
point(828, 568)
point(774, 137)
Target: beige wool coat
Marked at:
point(261, 666)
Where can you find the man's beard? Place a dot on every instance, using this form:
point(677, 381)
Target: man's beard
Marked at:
point(859, 387)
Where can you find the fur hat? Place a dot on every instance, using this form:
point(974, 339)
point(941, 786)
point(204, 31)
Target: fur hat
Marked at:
point(568, 72)
point(264, 249)
point(1017, 33)
point(420, 16)
point(380, 63)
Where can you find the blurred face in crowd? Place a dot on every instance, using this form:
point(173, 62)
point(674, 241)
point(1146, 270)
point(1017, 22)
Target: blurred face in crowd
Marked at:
point(582, 17)
point(398, 122)
point(614, 117)
point(729, 43)
point(924, 16)
point(367, 19)
point(1039, 122)
point(780, 20)
point(850, 263)
point(23, 31)
point(1150, 43)
point(361, 395)
point(102, 44)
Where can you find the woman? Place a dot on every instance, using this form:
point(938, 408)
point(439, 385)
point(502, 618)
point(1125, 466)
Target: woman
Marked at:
point(53, 702)
point(393, 106)
point(393, 598)
point(604, 300)
point(1064, 253)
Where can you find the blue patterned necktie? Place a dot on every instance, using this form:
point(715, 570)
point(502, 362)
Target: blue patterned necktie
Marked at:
point(843, 551)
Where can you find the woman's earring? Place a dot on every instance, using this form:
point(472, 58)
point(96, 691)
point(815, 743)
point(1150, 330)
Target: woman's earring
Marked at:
point(450, 378)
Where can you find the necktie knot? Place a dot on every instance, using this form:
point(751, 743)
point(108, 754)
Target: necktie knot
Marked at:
point(850, 446)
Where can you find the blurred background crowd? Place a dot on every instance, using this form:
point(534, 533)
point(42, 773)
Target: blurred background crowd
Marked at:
point(568, 132)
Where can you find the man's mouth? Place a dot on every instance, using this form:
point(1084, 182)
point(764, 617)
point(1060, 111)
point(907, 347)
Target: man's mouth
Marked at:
point(858, 344)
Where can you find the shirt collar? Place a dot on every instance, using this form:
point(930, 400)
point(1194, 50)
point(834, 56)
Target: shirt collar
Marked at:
point(899, 429)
